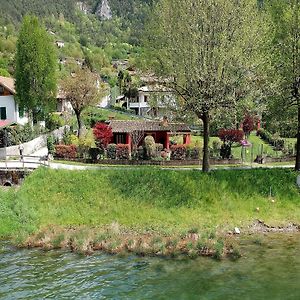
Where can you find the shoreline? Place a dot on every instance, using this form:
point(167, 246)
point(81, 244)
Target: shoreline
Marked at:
point(115, 240)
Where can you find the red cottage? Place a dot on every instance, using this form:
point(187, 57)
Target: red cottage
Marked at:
point(160, 130)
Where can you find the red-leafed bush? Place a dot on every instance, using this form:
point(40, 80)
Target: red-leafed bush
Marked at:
point(178, 152)
point(103, 135)
point(66, 151)
point(123, 151)
point(248, 124)
point(230, 136)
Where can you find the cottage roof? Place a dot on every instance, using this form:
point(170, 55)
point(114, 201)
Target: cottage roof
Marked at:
point(8, 83)
point(119, 126)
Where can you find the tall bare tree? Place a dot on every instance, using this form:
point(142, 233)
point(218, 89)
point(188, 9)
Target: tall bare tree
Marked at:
point(208, 51)
point(81, 90)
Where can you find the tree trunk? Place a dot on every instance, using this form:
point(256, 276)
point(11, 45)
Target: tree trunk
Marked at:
point(79, 122)
point(297, 166)
point(205, 162)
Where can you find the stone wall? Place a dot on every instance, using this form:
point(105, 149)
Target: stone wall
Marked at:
point(12, 177)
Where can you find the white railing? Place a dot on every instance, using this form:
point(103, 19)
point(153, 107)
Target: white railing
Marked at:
point(24, 162)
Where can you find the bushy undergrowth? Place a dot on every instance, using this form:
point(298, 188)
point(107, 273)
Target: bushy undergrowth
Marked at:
point(151, 199)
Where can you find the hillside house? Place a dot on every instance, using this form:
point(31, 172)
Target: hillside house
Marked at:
point(162, 131)
point(9, 110)
point(152, 101)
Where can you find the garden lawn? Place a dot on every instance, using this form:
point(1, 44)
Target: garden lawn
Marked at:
point(164, 201)
point(258, 145)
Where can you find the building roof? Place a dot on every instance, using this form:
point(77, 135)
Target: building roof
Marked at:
point(5, 123)
point(119, 126)
point(8, 83)
point(155, 89)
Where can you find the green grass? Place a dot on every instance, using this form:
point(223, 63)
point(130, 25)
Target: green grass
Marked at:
point(150, 199)
point(258, 145)
point(106, 114)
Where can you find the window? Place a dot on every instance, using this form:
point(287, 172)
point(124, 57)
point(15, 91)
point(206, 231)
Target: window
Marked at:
point(2, 113)
point(1, 90)
point(120, 138)
point(145, 98)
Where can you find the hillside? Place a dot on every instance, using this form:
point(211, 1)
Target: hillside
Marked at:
point(14, 10)
point(87, 33)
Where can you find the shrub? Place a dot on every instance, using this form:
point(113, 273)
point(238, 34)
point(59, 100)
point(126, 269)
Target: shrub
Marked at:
point(94, 153)
point(273, 140)
point(112, 151)
point(178, 152)
point(50, 144)
point(230, 136)
point(225, 151)
point(66, 138)
point(103, 135)
point(66, 151)
point(140, 153)
point(54, 121)
point(158, 149)
point(150, 147)
point(216, 148)
point(193, 152)
point(122, 151)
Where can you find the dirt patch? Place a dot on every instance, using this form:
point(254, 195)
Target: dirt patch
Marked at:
point(259, 226)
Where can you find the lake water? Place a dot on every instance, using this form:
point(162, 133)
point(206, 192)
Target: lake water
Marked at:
point(269, 269)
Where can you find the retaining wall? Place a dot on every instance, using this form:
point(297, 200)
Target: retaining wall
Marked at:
point(32, 146)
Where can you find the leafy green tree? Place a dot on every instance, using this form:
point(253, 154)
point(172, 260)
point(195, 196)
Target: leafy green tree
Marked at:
point(209, 51)
point(35, 70)
point(285, 55)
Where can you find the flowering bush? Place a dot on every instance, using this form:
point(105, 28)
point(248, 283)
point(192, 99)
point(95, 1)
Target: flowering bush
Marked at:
point(103, 135)
point(245, 143)
point(66, 151)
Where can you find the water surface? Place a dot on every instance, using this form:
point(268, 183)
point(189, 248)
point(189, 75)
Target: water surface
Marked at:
point(269, 269)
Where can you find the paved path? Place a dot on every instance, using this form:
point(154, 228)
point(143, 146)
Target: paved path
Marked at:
point(35, 162)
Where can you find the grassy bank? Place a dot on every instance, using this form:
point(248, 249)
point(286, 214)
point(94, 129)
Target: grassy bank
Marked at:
point(170, 203)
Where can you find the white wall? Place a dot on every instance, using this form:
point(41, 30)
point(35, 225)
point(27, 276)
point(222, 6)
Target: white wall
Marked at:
point(9, 103)
point(12, 110)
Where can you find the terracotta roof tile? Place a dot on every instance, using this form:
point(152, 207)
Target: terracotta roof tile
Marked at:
point(130, 126)
point(8, 83)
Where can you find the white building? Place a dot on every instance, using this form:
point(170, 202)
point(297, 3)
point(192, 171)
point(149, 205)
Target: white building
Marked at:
point(9, 110)
point(152, 101)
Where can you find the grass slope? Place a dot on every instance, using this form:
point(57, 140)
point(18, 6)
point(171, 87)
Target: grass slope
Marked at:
point(150, 199)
